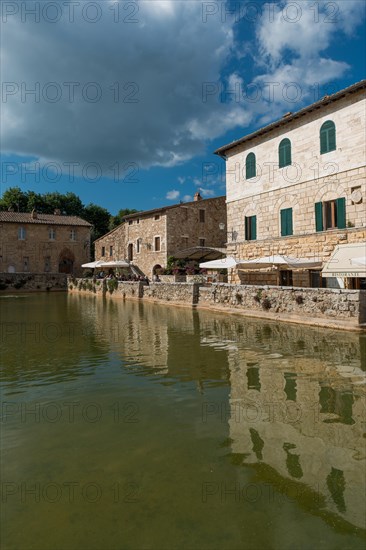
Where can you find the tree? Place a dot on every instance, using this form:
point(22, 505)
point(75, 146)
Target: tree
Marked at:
point(118, 218)
point(14, 198)
point(99, 218)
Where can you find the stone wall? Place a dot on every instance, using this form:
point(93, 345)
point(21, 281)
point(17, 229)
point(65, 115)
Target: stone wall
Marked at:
point(114, 245)
point(320, 307)
point(177, 293)
point(32, 282)
point(341, 307)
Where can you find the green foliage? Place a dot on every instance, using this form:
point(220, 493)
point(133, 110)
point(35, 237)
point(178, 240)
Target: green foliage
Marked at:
point(99, 218)
point(112, 285)
point(116, 220)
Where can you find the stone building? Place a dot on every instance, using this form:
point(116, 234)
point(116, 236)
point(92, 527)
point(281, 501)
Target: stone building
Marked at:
point(149, 238)
point(297, 186)
point(43, 243)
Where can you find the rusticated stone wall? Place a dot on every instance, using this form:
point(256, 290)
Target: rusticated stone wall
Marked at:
point(327, 307)
point(32, 282)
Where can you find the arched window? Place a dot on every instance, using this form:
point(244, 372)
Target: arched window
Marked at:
point(284, 153)
point(327, 137)
point(250, 168)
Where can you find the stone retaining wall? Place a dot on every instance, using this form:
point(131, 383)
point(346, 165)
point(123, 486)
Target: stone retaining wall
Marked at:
point(337, 308)
point(32, 282)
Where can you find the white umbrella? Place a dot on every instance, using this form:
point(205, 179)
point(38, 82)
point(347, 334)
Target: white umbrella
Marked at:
point(278, 261)
point(361, 261)
point(116, 263)
point(93, 265)
point(224, 263)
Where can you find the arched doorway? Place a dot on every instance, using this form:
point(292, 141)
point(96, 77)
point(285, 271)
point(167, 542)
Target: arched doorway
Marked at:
point(130, 252)
point(66, 261)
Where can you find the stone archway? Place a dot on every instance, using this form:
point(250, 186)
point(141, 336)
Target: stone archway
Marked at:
point(66, 261)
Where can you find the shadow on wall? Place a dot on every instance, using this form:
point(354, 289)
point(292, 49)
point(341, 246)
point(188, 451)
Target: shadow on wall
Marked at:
point(362, 314)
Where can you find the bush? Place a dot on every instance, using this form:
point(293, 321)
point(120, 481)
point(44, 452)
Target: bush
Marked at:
point(266, 303)
point(258, 296)
point(239, 298)
point(112, 285)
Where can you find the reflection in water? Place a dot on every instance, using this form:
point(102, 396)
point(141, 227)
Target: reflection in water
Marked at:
point(200, 429)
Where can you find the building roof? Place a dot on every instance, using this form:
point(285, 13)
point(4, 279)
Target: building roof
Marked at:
point(163, 208)
point(43, 219)
point(286, 119)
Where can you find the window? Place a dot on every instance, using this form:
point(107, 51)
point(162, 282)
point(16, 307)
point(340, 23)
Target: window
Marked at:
point(286, 222)
point(137, 221)
point(157, 244)
point(47, 263)
point(286, 278)
point(130, 222)
point(25, 263)
point(327, 137)
point(202, 216)
point(103, 250)
point(72, 235)
point(157, 217)
point(330, 214)
point(21, 233)
point(138, 246)
point(52, 234)
point(284, 153)
point(201, 242)
point(250, 166)
point(250, 228)
point(111, 250)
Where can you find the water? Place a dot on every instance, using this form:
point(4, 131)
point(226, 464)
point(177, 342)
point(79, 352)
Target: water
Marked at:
point(139, 426)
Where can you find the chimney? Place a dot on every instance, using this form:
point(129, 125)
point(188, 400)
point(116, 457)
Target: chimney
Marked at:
point(57, 212)
point(197, 196)
point(34, 214)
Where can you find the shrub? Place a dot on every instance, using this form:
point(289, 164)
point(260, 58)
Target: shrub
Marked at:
point(266, 303)
point(258, 296)
point(239, 298)
point(112, 285)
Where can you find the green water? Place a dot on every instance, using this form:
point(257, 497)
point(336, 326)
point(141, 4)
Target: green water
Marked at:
point(139, 426)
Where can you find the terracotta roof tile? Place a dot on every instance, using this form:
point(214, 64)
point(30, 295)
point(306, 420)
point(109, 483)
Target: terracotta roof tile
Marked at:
point(45, 219)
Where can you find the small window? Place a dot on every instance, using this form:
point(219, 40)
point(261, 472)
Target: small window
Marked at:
point(327, 137)
point(157, 244)
point(202, 216)
point(103, 250)
point(284, 153)
point(52, 234)
point(286, 222)
point(130, 222)
point(286, 278)
point(72, 235)
point(250, 228)
point(25, 263)
point(138, 246)
point(201, 242)
point(21, 233)
point(330, 214)
point(157, 217)
point(137, 221)
point(250, 166)
point(111, 250)
point(47, 264)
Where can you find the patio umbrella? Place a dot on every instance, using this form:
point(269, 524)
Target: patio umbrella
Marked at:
point(93, 265)
point(224, 263)
point(279, 261)
point(116, 263)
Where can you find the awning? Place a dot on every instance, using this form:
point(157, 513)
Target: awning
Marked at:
point(103, 263)
point(347, 260)
point(224, 263)
point(280, 261)
point(201, 253)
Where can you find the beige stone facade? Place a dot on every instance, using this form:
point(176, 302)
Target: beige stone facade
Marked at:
point(311, 177)
point(43, 243)
point(149, 238)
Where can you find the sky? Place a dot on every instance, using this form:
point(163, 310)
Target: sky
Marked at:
point(124, 102)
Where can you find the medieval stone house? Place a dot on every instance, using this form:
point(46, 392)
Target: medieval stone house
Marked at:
point(297, 186)
point(149, 238)
point(43, 243)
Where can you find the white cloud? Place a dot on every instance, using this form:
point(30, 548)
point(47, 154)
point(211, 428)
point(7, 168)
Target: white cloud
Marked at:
point(187, 198)
point(206, 192)
point(181, 179)
point(172, 195)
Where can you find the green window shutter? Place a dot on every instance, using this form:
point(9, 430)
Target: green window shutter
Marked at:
point(327, 137)
point(341, 213)
point(289, 221)
point(319, 216)
point(250, 166)
point(253, 228)
point(284, 153)
point(246, 236)
point(286, 222)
